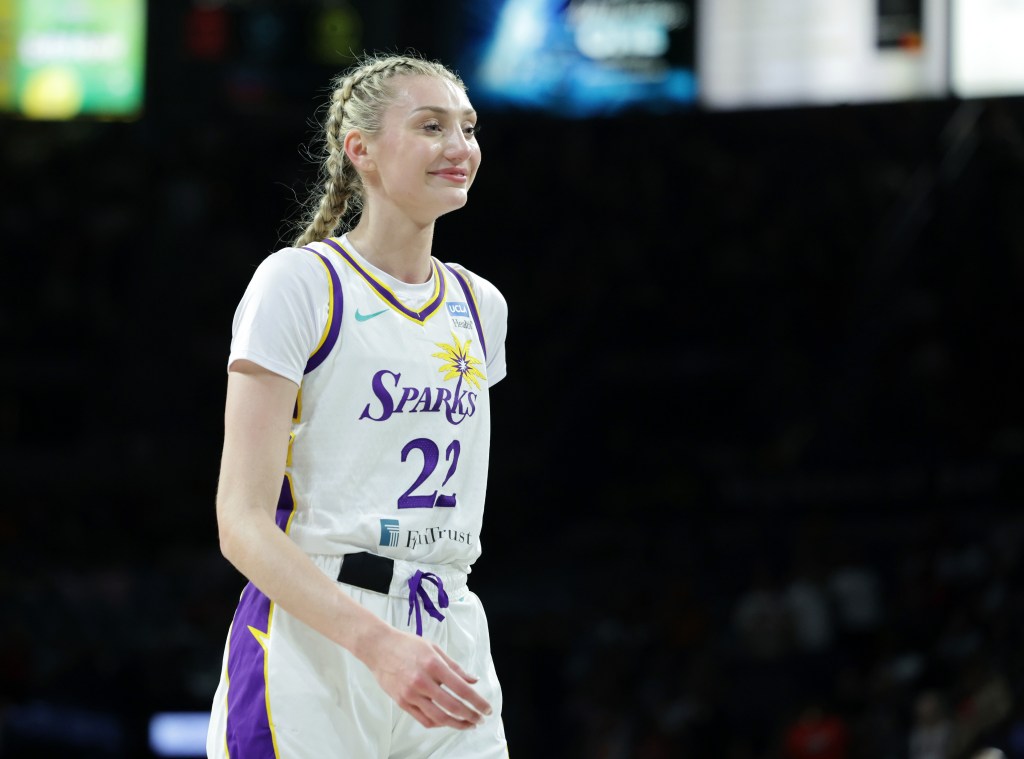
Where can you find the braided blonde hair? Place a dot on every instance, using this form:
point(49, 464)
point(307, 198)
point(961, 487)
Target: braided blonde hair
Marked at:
point(358, 101)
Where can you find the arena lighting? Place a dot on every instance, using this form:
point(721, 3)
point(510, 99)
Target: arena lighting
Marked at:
point(986, 48)
point(762, 53)
point(72, 58)
point(181, 734)
point(580, 58)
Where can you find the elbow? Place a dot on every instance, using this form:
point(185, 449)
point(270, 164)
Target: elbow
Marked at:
point(242, 535)
point(244, 520)
point(228, 535)
point(228, 543)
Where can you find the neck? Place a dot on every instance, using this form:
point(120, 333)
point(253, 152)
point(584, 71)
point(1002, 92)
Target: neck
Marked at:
point(400, 247)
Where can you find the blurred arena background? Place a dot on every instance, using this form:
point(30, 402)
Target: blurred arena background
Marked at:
point(757, 468)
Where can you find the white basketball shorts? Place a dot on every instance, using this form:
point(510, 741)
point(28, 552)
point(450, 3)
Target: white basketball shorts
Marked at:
point(287, 692)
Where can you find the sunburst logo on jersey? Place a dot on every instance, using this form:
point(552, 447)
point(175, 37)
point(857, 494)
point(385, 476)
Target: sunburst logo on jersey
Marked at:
point(458, 363)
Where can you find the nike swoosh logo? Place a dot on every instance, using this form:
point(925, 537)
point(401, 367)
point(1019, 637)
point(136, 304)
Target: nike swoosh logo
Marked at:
point(366, 317)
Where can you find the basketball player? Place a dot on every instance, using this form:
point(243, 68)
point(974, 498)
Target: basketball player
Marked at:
point(354, 466)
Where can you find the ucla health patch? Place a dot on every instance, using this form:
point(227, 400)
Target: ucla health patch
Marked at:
point(460, 315)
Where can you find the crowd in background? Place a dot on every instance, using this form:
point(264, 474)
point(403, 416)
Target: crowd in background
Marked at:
point(756, 467)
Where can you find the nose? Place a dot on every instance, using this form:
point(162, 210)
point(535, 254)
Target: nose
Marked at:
point(457, 148)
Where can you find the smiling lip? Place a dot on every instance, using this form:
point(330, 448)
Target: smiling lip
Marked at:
point(455, 175)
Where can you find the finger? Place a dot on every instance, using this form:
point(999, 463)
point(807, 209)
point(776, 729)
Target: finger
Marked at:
point(456, 707)
point(416, 706)
point(438, 717)
point(455, 665)
point(429, 685)
point(417, 714)
point(457, 684)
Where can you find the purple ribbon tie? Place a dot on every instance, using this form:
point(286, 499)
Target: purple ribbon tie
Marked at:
point(418, 595)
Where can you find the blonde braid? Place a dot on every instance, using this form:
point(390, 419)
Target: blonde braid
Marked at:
point(337, 174)
point(359, 100)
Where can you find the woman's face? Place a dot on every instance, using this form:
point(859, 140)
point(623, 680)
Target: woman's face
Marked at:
point(425, 157)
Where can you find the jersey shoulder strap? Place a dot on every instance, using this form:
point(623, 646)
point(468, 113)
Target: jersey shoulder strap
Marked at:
point(471, 302)
point(335, 308)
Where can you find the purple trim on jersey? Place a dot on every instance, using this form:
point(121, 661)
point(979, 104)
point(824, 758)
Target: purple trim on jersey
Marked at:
point(285, 505)
point(387, 295)
point(249, 733)
point(472, 307)
point(334, 328)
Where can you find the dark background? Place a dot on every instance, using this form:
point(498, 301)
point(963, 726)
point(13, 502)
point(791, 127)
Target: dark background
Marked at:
point(759, 447)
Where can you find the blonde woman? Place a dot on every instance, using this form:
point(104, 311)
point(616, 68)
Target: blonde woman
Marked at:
point(355, 453)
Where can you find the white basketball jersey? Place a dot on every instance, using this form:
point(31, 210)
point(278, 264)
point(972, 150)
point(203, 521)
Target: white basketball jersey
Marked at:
point(391, 430)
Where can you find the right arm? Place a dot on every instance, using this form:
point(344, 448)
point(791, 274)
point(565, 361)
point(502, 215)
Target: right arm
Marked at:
point(257, 422)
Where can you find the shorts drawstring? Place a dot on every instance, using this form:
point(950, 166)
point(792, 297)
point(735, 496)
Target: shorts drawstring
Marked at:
point(418, 595)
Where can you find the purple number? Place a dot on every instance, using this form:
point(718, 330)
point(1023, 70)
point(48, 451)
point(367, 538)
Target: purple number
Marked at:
point(452, 453)
point(431, 454)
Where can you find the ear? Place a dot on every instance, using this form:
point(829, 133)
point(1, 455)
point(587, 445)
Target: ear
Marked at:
point(358, 151)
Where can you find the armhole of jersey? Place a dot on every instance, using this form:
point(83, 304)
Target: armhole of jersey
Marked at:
point(474, 309)
point(334, 311)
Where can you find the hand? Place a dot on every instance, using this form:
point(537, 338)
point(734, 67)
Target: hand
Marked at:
point(425, 681)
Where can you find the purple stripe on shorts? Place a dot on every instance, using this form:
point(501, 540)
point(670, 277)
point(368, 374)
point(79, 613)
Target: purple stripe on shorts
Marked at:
point(249, 731)
point(472, 308)
point(334, 328)
point(285, 504)
point(387, 295)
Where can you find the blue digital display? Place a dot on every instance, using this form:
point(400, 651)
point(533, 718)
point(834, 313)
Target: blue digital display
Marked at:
point(580, 58)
